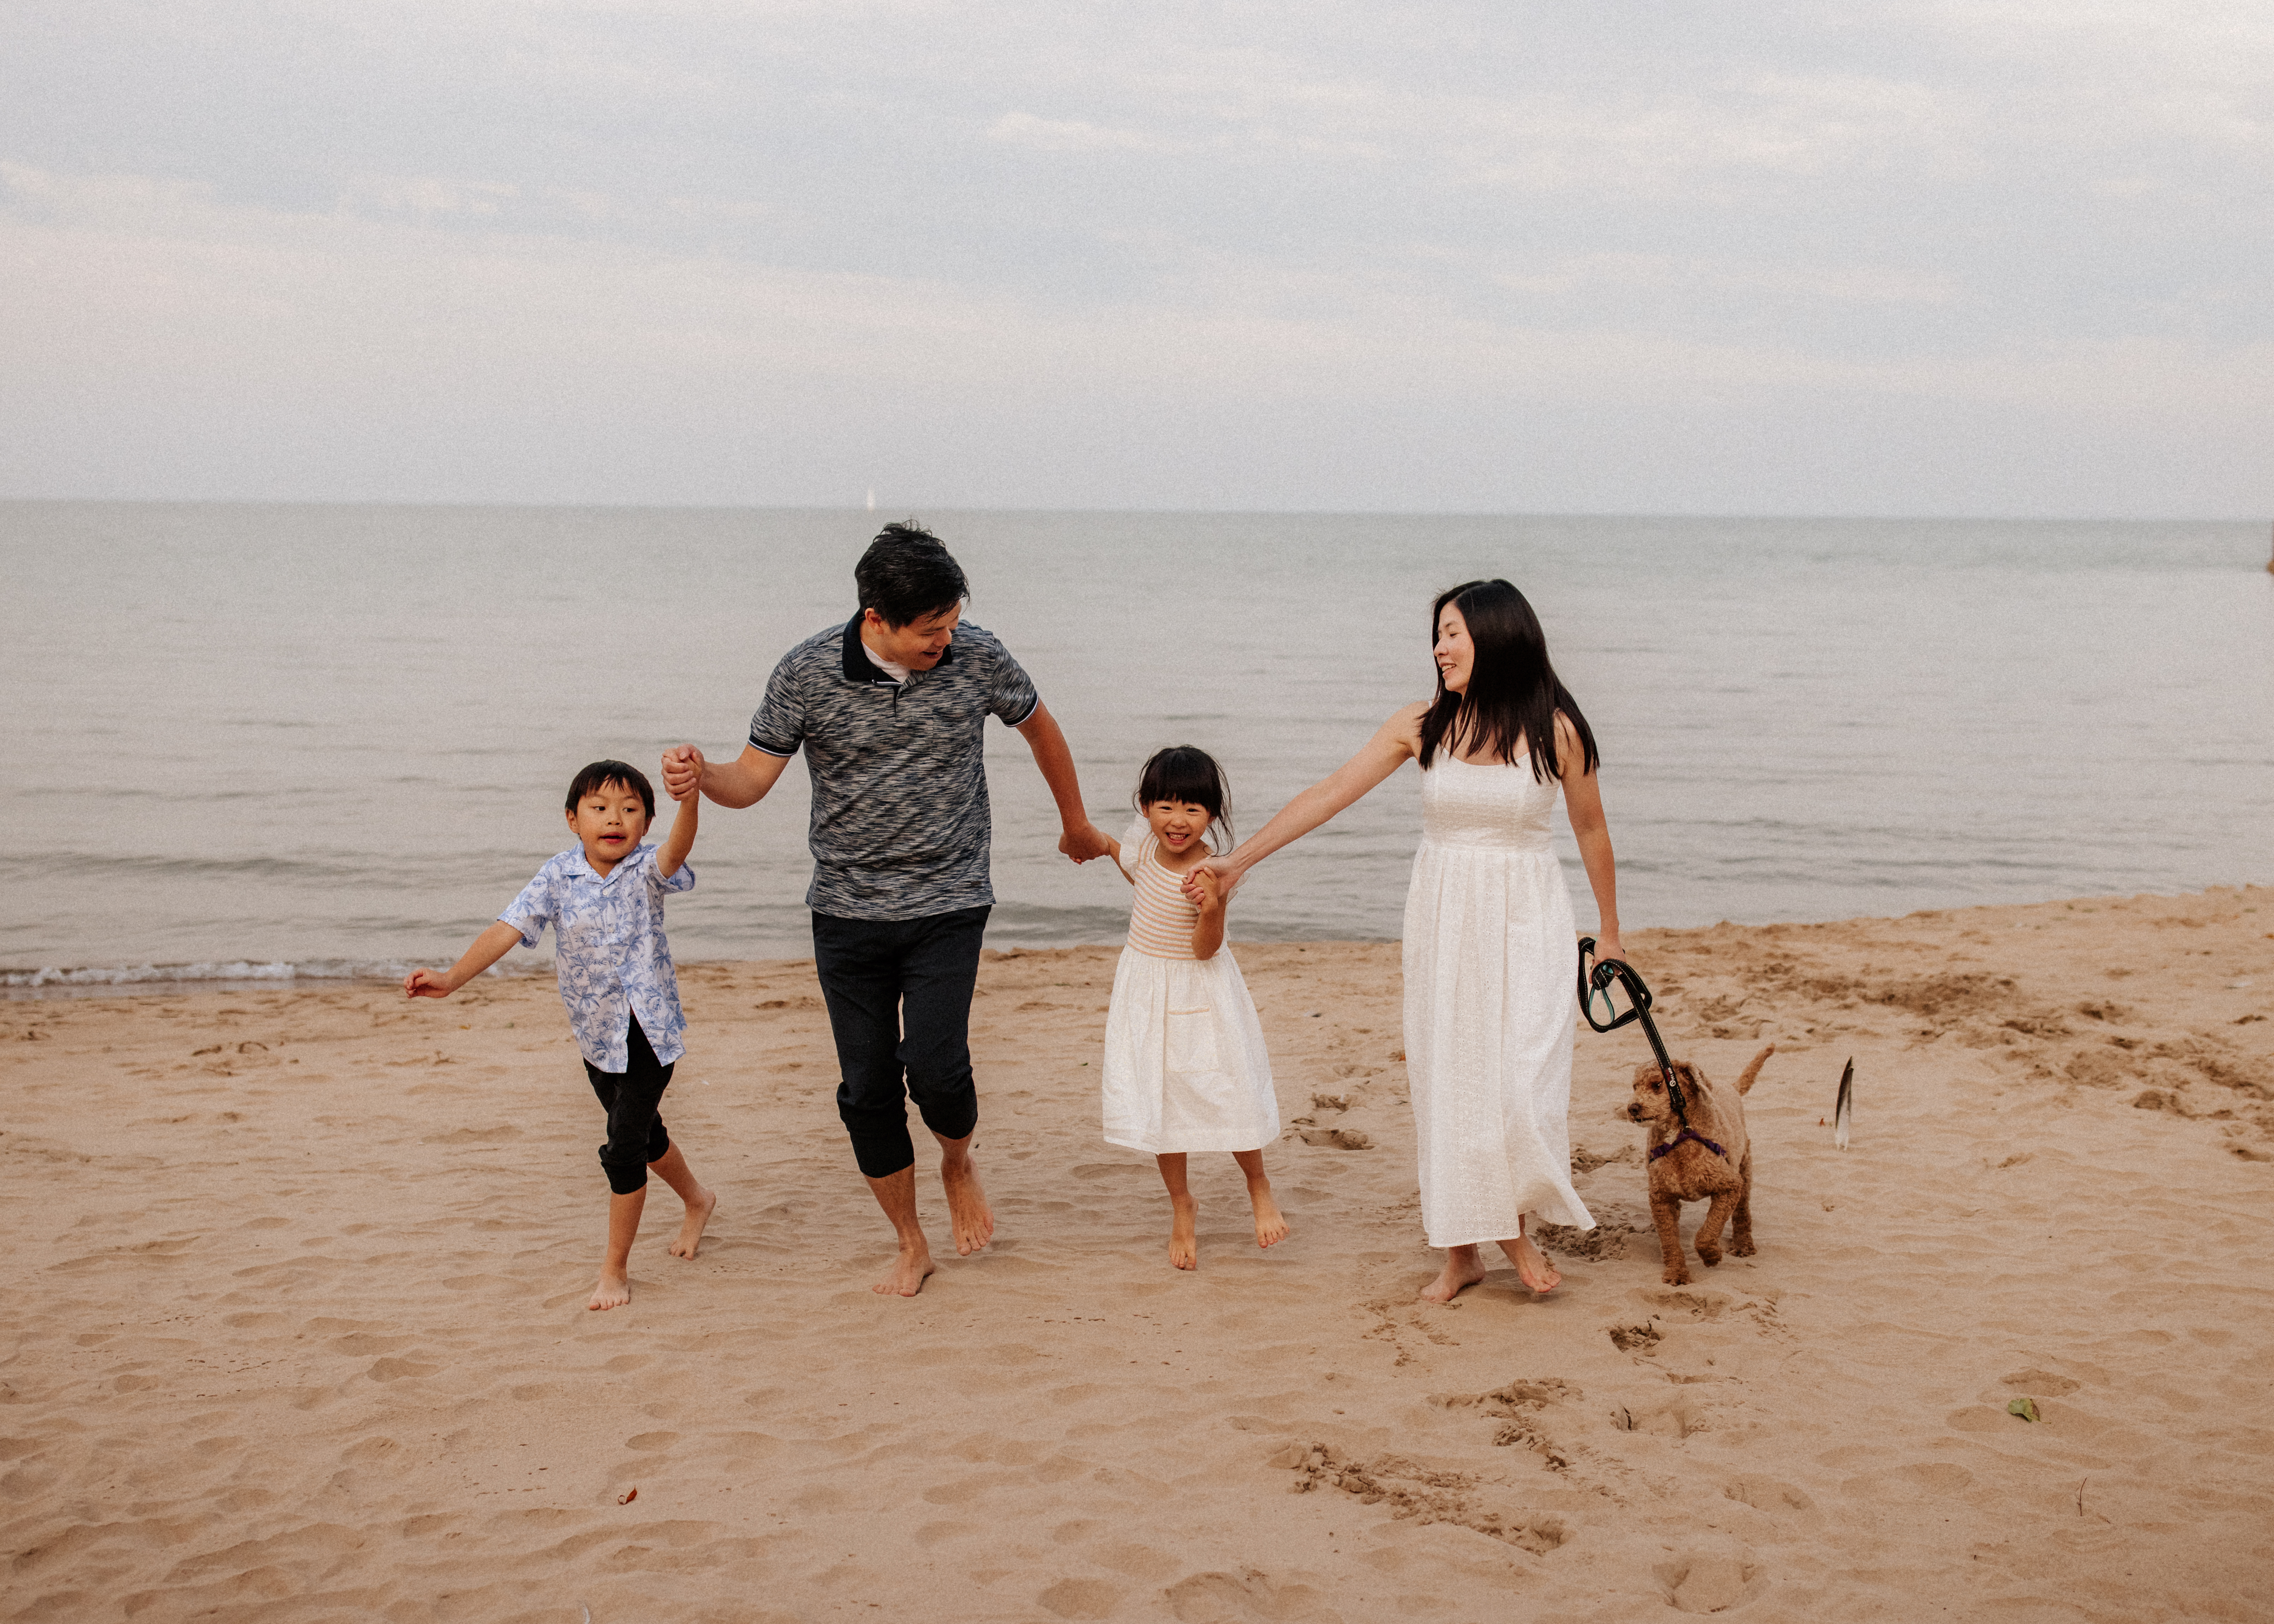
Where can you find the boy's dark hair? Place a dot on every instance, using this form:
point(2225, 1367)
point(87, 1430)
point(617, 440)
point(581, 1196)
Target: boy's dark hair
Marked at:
point(907, 573)
point(1183, 772)
point(600, 774)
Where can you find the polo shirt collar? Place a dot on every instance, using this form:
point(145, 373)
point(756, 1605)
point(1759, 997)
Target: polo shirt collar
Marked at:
point(860, 668)
point(580, 867)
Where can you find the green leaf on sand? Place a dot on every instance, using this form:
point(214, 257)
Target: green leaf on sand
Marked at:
point(2025, 1407)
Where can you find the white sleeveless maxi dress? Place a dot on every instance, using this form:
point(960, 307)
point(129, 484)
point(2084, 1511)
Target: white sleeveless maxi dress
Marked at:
point(1490, 959)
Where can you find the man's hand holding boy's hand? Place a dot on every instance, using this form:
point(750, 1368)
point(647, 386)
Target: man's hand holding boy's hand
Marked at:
point(427, 984)
point(682, 771)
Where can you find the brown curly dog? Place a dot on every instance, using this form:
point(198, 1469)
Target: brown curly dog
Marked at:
point(1711, 1160)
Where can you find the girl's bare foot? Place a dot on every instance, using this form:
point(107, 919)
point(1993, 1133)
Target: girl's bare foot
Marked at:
point(1532, 1265)
point(1184, 1234)
point(910, 1270)
point(690, 1227)
point(614, 1291)
point(1462, 1270)
point(1270, 1226)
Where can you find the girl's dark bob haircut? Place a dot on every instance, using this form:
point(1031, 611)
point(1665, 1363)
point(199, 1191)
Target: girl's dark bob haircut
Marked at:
point(600, 774)
point(1514, 694)
point(1182, 772)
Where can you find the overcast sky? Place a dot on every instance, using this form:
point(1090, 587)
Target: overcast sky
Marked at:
point(1974, 258)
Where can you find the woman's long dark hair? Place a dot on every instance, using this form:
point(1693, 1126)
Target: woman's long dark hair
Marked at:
point(1514, 692)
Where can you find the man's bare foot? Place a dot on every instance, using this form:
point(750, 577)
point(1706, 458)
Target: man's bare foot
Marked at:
point(1462, 1270)
point(1532, 1265)
point(1271, 1225)
point(1184, 1234)
point(690, 1227)
point(973, 1221)
point(910, 1270)
point(614, 1291)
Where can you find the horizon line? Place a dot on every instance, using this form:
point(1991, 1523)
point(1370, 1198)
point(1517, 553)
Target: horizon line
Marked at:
point(865, 512)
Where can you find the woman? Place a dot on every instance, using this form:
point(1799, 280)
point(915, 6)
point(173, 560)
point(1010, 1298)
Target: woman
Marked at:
point(1489, 941)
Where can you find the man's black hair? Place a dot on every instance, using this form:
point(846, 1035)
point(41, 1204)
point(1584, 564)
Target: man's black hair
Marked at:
point(602, 773)
point(907, 573)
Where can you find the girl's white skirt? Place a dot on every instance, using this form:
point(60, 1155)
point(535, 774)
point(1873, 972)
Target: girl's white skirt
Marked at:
point(1185, 1068)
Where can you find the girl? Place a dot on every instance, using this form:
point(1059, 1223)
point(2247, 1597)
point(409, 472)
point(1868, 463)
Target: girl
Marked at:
point(1185, 1068)
point(1489, 950)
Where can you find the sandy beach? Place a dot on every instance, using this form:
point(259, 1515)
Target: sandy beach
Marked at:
point(296, 1325)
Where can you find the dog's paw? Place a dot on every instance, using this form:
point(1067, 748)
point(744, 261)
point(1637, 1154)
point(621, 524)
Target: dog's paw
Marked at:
point(1744, 1249)
point(1710, 1256)
point(1675, 1274)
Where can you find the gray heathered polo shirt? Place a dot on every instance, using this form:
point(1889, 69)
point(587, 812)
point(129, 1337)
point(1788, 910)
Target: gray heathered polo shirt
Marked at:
point(900, 826)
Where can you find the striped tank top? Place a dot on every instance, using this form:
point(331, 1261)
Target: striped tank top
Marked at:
point(1161, 921)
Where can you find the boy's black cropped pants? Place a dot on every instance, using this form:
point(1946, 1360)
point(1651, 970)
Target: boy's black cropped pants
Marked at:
point(898, 992)
point(632, 1097)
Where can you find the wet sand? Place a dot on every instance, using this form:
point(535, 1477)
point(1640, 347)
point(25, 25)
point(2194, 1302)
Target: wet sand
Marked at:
point(296, 1325)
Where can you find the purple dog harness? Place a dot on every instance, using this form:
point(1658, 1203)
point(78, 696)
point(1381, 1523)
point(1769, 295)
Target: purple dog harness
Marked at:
point(1692, 1134)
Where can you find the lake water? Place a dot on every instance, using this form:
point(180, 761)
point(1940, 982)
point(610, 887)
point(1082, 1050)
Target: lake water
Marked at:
point(262, 740)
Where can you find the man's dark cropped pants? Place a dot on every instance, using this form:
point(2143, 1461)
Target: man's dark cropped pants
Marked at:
point(898, 992)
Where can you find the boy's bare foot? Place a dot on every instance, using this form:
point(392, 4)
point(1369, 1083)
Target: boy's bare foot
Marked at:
point(910, 1270)
point(1270, 1226)
point(690, 1227)
point(614, 1291)
point(1462, 1270)
point(1184, 1234)
point(1532, 1265)
point(973, 1220)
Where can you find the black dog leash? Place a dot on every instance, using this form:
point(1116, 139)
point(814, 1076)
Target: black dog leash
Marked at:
point(1596, 979)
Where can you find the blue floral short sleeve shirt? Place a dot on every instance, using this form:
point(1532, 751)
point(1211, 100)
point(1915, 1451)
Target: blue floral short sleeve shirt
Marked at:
point(609, 951)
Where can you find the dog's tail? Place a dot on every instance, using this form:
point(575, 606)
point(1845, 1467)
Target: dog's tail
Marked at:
point(1745, 1078)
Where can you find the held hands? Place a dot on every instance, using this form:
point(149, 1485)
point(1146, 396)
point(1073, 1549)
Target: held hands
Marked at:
point(682, 771)
point(1085, 843)
point(1206, 884)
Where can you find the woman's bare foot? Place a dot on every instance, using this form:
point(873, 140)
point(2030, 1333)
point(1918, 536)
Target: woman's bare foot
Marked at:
point(1184, 1234)
point(910, 1270)
point(1462, 1270)
point(1270, 1226)
point(973, 1220)
point(614, 1291)
point(1532, 1265)
point(690, 1227)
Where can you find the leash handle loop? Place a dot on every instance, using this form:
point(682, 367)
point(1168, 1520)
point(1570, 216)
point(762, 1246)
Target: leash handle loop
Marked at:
point(1597, 977)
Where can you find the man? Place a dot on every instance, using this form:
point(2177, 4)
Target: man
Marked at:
point(890, 709)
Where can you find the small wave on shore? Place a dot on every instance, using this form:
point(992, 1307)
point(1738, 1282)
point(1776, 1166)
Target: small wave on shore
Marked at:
point(89, 980)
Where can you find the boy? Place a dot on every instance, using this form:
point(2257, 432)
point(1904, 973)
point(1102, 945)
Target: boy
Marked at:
point(604, 899)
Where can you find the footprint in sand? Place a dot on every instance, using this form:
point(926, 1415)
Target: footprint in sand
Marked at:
point(1081, 1599)
point(399, 1370)
point(1710, 1582)
point(2036, 1384)
point(363, 1341)
point(1772, 1495)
